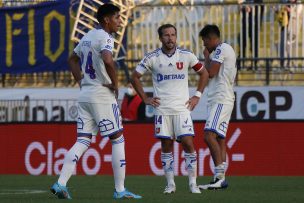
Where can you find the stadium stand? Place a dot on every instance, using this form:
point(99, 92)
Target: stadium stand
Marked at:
point(141, 19)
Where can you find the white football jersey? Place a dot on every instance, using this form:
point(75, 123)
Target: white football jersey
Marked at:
point(170, 78)
point(93, 68)
point(220, 87)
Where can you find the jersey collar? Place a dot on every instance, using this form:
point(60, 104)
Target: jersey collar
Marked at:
point(169, 55)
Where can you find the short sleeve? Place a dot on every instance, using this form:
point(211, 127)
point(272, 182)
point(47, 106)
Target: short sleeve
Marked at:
point(194, 63)
point(107, 44)
point(193, 60)
point(218, 55)
point(144, 65)
point(77, 50)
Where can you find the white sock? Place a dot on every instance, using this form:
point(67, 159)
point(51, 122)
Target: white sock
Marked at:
point(168, 166)
point(119, 162)
point(225, 165)
point(220, 171)
point(191, 166)
point(71, 159)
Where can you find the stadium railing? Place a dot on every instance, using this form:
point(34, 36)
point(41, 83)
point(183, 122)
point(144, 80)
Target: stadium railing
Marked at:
point(267, 71)
point(270, 67)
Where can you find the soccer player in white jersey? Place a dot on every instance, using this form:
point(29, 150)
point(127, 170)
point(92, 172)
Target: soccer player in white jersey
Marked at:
point(97, 105)
point(220, 61)
point(169, 66)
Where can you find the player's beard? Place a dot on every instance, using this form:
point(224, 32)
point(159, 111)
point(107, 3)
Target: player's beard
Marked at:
point(170, 46)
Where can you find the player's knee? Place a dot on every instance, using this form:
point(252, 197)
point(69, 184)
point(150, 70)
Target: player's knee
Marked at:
point(167, 149)
point(188, 148)
point(187, 143)
point(115, 136)
point(167, 145)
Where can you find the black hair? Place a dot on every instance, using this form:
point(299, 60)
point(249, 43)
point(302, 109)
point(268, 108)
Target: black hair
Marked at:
point(209, 30)
point(165, 26)
point(106, 10)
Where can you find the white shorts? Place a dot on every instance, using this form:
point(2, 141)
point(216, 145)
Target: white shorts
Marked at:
point(93, 117)
point(173, 126)
point(218, 118)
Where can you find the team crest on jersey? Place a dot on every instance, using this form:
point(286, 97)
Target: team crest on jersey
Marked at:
point(157, 130)
point(179, 65)
point(109, 41)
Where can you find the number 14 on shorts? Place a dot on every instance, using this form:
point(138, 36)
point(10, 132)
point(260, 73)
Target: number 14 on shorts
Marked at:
point(158, 119)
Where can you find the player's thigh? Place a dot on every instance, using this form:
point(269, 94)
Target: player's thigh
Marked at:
point(218, 119)
point(86, 124)
point(163, 126)
point(108, 118)
point(183, 126)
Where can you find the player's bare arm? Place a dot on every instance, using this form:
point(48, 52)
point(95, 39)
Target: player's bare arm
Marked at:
point(212, 67)
point(202, 83)
point(75, 68)
point(207, 58)
point(110, 68)
point(153, 101)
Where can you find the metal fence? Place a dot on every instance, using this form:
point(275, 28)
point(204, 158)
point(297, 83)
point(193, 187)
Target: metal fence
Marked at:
point(255, 72)
point(270, 49)
point(253, 30)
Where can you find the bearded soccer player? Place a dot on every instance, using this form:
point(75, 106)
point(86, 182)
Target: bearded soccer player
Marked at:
point(169, 66)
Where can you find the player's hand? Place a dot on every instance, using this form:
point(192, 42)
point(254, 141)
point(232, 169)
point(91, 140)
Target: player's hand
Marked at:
point(206, 53)
point(112, 87)
point(153, 101)
point(248, 9)
point(192, 102)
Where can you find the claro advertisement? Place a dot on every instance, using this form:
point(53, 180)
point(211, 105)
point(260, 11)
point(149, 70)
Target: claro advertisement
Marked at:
point(253, 148)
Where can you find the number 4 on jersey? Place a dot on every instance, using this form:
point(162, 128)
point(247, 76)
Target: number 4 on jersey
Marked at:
point(89, 69)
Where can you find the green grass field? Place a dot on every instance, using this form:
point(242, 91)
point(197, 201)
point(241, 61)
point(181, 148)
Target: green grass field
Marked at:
point(18, 188)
